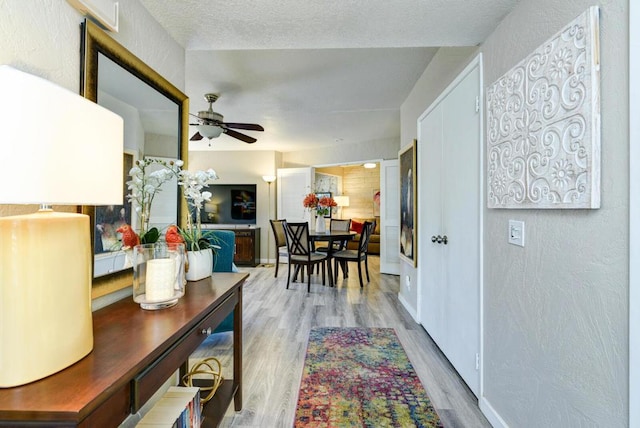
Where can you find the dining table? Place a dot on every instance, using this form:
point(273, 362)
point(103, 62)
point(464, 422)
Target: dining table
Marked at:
point(330, 236)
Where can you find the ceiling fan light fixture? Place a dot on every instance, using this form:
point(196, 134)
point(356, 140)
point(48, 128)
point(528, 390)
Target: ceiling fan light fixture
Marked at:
point(209, 131)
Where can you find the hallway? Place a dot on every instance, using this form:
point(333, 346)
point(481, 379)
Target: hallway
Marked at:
point(276, 327)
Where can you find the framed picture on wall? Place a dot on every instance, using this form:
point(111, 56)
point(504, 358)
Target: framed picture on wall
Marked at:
point(108, 218)
point(376, 203)
point(321, 195)
point(408, 205)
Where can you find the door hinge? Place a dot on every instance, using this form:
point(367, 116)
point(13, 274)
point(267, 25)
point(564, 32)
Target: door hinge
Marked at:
point(477, 104)
point(477, 361)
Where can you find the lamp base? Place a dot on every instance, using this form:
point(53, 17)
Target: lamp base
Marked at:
point(45, 294)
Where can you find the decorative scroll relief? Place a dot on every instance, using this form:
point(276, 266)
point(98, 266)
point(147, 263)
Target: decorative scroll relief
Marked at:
point(543, 124)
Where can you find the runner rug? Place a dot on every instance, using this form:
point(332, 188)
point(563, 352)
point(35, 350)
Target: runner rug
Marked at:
point(360, 377)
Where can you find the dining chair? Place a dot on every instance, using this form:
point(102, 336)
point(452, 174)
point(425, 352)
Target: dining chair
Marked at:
point(301, 252)
point(358, 256)
point(277, 226)
point(342, 225)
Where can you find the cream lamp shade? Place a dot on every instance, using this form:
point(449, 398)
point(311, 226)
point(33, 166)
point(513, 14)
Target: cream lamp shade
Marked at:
point(342, 201)
point(269, 178)
point(58, 148)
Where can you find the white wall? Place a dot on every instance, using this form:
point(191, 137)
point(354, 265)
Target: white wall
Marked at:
point(444, 67)
point(556, 311)
point(246, 167)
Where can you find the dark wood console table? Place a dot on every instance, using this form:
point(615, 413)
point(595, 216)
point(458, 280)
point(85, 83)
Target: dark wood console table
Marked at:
point(135, 352)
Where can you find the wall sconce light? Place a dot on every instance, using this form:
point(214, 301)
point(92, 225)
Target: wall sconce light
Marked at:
point(369, 165)
point(60, 148)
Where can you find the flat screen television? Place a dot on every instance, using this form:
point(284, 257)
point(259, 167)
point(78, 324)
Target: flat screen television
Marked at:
point(230, 204)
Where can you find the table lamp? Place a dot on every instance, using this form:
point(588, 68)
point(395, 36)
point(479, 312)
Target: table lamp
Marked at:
point(342, 201)
point(57, 148)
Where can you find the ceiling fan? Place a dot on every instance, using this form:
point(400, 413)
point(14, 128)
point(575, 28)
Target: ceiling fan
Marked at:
point(210, 124)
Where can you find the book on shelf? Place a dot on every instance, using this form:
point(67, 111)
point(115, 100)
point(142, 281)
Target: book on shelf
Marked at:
point(179, 407)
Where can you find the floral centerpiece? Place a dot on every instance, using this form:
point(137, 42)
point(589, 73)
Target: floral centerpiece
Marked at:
point(143, 188)
point(322, 206)
point(192, 185)
point(198, 243)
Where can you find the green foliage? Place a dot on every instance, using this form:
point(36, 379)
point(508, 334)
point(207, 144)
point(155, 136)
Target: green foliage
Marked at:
point(151, 236)
point(195, 239)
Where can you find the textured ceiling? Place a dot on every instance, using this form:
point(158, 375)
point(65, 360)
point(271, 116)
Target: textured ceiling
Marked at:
point(315, 73)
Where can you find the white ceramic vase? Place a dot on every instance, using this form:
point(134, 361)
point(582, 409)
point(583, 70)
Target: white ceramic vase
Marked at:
point(200, 264)
point(321, 226)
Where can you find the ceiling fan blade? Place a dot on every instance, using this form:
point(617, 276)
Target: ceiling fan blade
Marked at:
point(247, 126)
point(239, 136)
point(196, 137)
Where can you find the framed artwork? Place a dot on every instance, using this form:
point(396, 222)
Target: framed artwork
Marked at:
point(543, 124)
point(110, 217)
point(408, 206)
point(376, 203)
point(325, 195)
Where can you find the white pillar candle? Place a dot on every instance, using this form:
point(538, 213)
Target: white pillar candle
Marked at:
point(161, 277)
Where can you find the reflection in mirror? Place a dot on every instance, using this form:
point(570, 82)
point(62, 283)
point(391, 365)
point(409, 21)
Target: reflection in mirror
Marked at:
point(151, 130)
point(155, 117)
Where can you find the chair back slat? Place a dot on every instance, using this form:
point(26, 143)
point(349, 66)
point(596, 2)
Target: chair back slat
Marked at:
point(278, 232)
point(341, 225)
point(367, 230)
point(297, 237)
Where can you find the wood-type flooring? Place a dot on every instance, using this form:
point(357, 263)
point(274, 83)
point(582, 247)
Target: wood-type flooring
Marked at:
point(276, 328)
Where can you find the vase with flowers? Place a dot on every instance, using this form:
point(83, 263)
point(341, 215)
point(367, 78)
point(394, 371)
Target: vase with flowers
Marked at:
point(321, 206)
point(147, 177)
point(198, 242)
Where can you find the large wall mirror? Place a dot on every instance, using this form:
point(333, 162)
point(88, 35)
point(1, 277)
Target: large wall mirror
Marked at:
point(155, 117)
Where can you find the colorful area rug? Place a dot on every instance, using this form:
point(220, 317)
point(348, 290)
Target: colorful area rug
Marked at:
point(361, 377)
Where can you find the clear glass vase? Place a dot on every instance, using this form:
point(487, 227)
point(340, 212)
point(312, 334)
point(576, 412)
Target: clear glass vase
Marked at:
point(158, 275)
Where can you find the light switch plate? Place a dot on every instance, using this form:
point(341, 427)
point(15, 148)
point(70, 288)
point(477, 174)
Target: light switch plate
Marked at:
point(516, 232)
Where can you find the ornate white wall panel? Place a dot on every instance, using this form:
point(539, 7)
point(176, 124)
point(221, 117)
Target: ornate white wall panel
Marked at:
point(543, 124)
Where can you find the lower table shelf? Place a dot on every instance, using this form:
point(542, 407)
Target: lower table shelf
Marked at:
point(214, 409)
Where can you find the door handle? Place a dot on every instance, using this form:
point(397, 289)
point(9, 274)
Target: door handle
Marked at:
point(440, 239)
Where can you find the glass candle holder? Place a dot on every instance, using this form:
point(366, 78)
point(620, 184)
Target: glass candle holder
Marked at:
point(158, 275)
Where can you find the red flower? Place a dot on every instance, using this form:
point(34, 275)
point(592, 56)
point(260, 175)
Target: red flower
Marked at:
point(327, 202)
point(310, 201)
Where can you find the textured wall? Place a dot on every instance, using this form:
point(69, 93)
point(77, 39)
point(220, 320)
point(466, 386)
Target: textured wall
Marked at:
point(445, 66)
point(555, 331)
point(42, 37)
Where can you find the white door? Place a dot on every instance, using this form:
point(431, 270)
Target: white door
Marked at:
point(293, 185)
point(390, 217)
point(449, 150)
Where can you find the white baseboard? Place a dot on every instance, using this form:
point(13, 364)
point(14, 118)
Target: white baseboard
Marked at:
point(408, 307)
point(490, 413)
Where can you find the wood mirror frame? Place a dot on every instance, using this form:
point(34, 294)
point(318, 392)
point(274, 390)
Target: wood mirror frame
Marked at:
point(94, 41)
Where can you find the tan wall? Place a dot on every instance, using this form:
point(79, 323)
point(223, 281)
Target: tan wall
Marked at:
point(359, 184)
